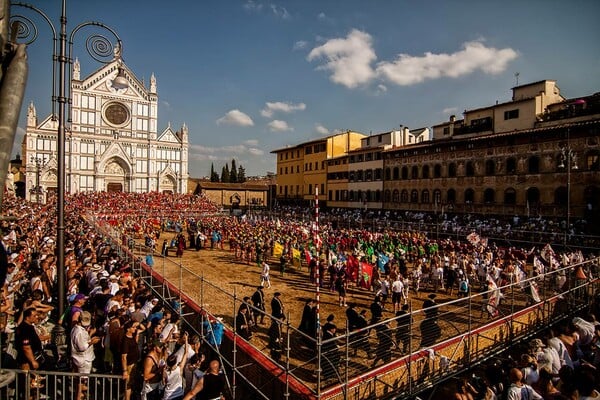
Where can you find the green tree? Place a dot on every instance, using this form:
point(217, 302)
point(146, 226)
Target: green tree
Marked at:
point(241, 175)
point(225, 174)
point(233, 176)
point(214, 177)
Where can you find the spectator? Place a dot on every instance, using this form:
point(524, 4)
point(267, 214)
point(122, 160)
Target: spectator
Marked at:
point(173, 374)
point(130, 354)
point(211, 385)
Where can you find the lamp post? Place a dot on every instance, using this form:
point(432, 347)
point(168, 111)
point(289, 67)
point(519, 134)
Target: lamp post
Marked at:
point(38, 162)
point(100, 49)
point(568, 161)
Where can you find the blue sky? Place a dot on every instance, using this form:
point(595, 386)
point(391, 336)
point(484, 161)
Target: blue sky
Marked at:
point(248, 77)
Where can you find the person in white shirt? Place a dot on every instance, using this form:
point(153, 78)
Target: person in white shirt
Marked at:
point(173, 374)
point(82, 347)
point(264, 276)
point(397, 292)
point(519, 390)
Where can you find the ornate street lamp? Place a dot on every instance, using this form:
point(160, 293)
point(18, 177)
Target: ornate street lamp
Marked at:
point(38, 162)
point(100, 49)
point(568, 161)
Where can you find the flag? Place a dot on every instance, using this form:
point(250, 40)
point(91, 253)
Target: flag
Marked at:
point(307, 256)
point(494, 298)
point(547, 252)
point(382, 259)
point(352, 268)
point(473, 238)
point(296, 256)
point(277, 250)
point(365, 271)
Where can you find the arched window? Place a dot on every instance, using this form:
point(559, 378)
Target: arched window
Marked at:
point(377, 195)
point(404, 196)
point(359, 175)
point(425, 172)
point(592, 161)
point(425, 197)
point(560, 196)
point(351, 195)
point(452, 170)
point(437, 171)
point(469, 196)
point(387, 196)
point(470, 171)
point(359, 195)
point(396, 196)
point(437, 196)
point(368, 196)
point(378, 174)
point(510, 197)
point(451, 196)
point(351, 176)
point(369, 175)
point(489, 196)
point(533, 196)
point(534, 165)
point(396, 173)
point(414, 196)
point(511, 165)
point(404, 172)
point(414, 172)
point(490, 167)
point(388, 174)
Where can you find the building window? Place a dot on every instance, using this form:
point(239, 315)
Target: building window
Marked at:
point(396, 196)
point(425, 172)
point(533, 196)
point(388, 174)
point(592, 161)
point(414, 196)
point(534, 165)
point(469, 196)
point(425, 197)
point(369, 175)
point(404, 172)
point(396, 173)
point(141, 166)
point(511, 114)
point(451, 196)
point(437, 196)
point(446, 130)
point(322, 188)
point(560, 196)
point(437, 171)
point(490, 167)
point(415, 172)
point(404, 196)
point(378, 174)
point(310, 188)
point(88, 117)
point(489, 196)
point(86, 183)
point(470, 171)
point(387, 196)
point(510, 196)
point(452, 170)
point(86, 163)
point(297, 169)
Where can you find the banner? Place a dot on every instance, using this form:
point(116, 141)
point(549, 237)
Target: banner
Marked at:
point(277, 250)
point(296, 258)
point(365, 275)
point(382, 259)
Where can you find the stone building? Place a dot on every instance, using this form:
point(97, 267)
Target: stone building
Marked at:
point(112, 143)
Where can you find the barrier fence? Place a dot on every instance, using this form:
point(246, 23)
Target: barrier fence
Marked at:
point(398, 357)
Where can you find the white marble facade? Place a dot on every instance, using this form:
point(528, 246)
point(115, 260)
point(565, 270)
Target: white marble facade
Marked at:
point(112, 140)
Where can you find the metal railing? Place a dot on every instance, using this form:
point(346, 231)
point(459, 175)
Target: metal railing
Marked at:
point(471, 328)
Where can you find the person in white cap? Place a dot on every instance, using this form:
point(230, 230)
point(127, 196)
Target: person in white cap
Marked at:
point(82, 348)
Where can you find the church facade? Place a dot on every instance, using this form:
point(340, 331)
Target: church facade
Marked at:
point(112, 140)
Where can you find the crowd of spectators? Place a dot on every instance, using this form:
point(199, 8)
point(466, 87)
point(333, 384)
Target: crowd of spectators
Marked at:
point(115, 324)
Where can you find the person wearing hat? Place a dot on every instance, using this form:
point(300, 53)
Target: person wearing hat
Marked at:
point(277, 307)
point(82, 348)
point(258, 300)
point(430, 306)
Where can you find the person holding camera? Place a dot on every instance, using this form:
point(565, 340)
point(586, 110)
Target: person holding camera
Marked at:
point(82, 348)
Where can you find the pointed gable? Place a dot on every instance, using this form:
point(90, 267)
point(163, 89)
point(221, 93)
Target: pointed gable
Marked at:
point(168, 136)
point(101, 81)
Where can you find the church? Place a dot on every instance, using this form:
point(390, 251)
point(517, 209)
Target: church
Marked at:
point(112, 139)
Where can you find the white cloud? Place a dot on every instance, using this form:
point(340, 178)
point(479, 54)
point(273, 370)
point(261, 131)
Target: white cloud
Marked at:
point(199, 152)
point(255, 152)
point(300, 44)
point(349, 59)
point(280, 12)
point(235, 117)
point(450, 110)
point(321, 15)
point(251, 142)
point(252, 5)
point(409, 70)
point(280, 106)
point(279, 126)
point(381, 88)
point(321, 129)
